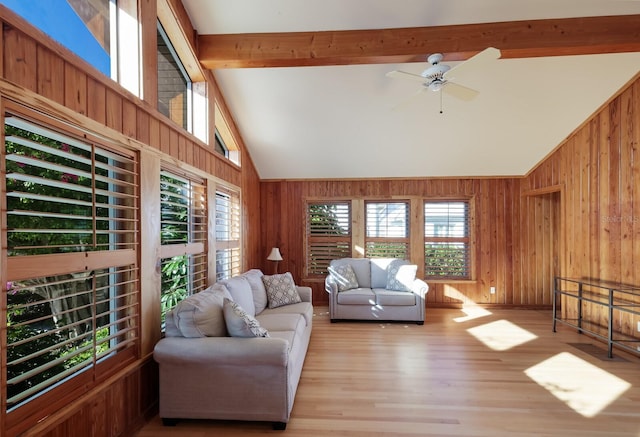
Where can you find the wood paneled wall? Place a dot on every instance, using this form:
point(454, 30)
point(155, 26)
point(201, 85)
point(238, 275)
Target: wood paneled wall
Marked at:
point(496, 228)
point(598, 172)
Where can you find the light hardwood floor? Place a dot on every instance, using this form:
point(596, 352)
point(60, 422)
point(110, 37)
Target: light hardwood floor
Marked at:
point(485, 373)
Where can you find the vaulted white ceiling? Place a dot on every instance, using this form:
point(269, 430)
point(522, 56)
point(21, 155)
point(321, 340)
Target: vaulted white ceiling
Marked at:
point(351, 121)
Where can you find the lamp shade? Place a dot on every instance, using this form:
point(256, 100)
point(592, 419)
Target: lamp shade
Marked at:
point(275, 255)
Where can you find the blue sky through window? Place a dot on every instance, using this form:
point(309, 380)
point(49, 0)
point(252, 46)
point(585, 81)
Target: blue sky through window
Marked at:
point(57, 19)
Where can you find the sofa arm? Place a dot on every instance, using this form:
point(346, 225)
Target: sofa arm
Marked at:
point(305, 293)
point(222, 351)
point(420, 287)
point(330, 285)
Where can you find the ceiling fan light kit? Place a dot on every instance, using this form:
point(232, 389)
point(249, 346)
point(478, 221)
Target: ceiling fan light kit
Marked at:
point(438, 77)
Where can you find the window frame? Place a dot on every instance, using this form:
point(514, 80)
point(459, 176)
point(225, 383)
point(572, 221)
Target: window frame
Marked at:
point(466, 240)
point(199, 110)
point(26, 267)
point(325, 241)
point(399, 241)
point(187, 104)
point(225, 132)
point(228, 232)
point(193, 246)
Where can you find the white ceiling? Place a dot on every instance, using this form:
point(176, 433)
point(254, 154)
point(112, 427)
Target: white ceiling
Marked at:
point(354, 122)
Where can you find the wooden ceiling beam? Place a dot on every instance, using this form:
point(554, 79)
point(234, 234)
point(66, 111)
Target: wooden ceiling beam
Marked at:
point(516, 39)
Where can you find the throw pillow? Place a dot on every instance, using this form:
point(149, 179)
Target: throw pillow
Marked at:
point(281, 290)
point(400, 276)
point(241, 324)
point(344, 276)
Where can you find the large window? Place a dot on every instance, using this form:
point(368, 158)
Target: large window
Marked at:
point(174, 84)
point(226, 142)
point(72, 281)
point(183, 235)
point(227, 233)
point(387, 230)
point(328, 234)
point(447, 249)
point(86, 30)
point(220, 146)
point(105, 33)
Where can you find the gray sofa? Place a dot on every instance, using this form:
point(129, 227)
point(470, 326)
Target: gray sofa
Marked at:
point(381, 289)
point(208, 373)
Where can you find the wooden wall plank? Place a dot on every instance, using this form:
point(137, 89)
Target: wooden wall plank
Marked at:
point(114, 111)
point(50, 75)
point(96, 101)
point(129, 118)
point(20, 58)
point(75, 89)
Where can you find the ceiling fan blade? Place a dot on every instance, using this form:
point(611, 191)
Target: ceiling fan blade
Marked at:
point(404, 75)
point(460, 91)
point(486, 56)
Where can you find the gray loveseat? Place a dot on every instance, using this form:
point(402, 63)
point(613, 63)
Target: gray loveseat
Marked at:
point(382, 289)
point(216, 365)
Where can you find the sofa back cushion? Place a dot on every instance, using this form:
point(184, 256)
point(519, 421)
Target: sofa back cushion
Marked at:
point(254, 276)
point(361, 267)
point(379, 269)
point(199, 315)
point(240, 291)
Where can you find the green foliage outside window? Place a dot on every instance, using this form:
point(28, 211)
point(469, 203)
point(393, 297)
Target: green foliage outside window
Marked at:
point(446, 260)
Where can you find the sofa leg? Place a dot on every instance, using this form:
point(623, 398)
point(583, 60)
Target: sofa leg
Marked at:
point(420, 323)
point(279, 426)
point(169, 422)
point(333, 320)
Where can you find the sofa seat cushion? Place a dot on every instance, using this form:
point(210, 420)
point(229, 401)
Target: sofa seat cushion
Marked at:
point(289, 336)
point(289, 327)
point(303, 308)
point(282, 322)
point(394, 298)
point(357, 296)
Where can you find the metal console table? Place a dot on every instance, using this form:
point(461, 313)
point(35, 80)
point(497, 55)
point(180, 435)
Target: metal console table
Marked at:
point(618, 299)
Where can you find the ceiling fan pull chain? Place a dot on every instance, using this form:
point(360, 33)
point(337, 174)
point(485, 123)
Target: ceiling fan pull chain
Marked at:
point(440, 101)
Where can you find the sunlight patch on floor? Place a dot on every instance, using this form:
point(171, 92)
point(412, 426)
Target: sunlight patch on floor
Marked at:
point(585, 388)
point(501, 335)
point(472, 312)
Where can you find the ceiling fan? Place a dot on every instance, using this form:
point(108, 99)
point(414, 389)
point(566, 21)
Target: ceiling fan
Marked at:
point(438, 77)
